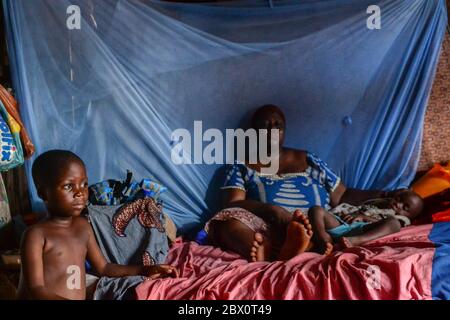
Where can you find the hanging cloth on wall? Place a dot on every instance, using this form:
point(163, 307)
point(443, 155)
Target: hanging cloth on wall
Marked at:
point(11, 153)
point(12, 108)
point(5, 214)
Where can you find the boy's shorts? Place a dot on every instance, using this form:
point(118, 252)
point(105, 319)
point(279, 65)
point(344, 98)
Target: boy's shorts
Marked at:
point(347, 230)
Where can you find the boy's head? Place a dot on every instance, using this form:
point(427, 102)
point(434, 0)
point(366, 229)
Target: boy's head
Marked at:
point(407, 203)
point(61, 181)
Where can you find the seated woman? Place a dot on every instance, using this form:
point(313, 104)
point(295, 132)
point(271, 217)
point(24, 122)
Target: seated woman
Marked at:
point(263, 217)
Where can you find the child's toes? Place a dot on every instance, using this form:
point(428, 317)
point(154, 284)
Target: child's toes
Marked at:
point(305, 221)
point(259, 238)
point(308, 225)
point(328, 249)
point(297, 215)
point(253, 255)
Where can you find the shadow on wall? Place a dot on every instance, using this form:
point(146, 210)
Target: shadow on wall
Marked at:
point(213, 197)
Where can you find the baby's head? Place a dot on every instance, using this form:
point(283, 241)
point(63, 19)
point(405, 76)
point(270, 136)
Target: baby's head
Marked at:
point(61, 182)
point(407, 203)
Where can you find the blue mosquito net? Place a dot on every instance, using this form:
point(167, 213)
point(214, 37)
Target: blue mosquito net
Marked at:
point(113, 85)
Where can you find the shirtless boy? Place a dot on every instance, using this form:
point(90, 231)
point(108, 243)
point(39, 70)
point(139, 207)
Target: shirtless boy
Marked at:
point(54, 251)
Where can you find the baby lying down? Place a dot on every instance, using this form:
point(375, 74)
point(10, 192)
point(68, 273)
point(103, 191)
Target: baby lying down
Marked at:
point(349, 225)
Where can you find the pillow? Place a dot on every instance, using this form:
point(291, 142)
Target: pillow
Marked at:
point(434, 181)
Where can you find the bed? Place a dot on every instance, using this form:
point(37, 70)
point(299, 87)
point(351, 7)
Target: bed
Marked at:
point(411, 264)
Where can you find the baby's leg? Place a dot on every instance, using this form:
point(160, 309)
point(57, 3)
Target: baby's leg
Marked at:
point(235, 236)
point(373, 231)
point(321, 221)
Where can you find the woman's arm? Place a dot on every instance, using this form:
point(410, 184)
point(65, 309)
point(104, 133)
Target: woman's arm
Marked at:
point(356, 197)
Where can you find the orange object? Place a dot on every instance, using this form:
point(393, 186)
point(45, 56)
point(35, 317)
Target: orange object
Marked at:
point(443, 216)
point(13, 109)
point(434, 181)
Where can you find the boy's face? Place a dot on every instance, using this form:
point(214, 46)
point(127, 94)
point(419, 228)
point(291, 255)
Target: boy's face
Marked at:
point(406, 203)
point(68, 194)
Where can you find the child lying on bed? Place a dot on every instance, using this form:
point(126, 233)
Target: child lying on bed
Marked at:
point(54, 251)
point(354, 225)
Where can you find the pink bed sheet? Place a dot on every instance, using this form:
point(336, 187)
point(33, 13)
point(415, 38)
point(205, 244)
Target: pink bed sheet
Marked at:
point(401, 269)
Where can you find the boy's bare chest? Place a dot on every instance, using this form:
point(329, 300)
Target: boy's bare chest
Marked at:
point(65, 247)
point(64, 256)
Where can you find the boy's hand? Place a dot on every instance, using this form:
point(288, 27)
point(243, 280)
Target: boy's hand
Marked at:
point(160, 271)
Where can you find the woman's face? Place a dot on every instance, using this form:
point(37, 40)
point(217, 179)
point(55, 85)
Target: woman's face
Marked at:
point(271, 120)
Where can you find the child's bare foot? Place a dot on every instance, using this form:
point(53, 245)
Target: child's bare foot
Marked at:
point(323, 244)
point(298, 239)
point(345, 243)
point(348, 242)
point(259, 250)
point(328, 249)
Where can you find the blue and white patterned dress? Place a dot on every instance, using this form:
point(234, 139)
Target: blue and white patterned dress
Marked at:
point(291, 191)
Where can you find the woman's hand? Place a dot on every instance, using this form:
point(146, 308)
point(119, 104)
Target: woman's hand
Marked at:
point(160, 271)
point(358, 197)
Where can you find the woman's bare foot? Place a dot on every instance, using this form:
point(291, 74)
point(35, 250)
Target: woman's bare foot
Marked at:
point(259, 250)
point(303, 219)
point(298, 237)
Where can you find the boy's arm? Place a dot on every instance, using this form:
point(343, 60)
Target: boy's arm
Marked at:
point(355, 197)
point(103, 268)
point(33, 267)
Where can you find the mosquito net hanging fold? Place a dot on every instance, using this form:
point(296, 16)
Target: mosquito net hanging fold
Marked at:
point(114, 89)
